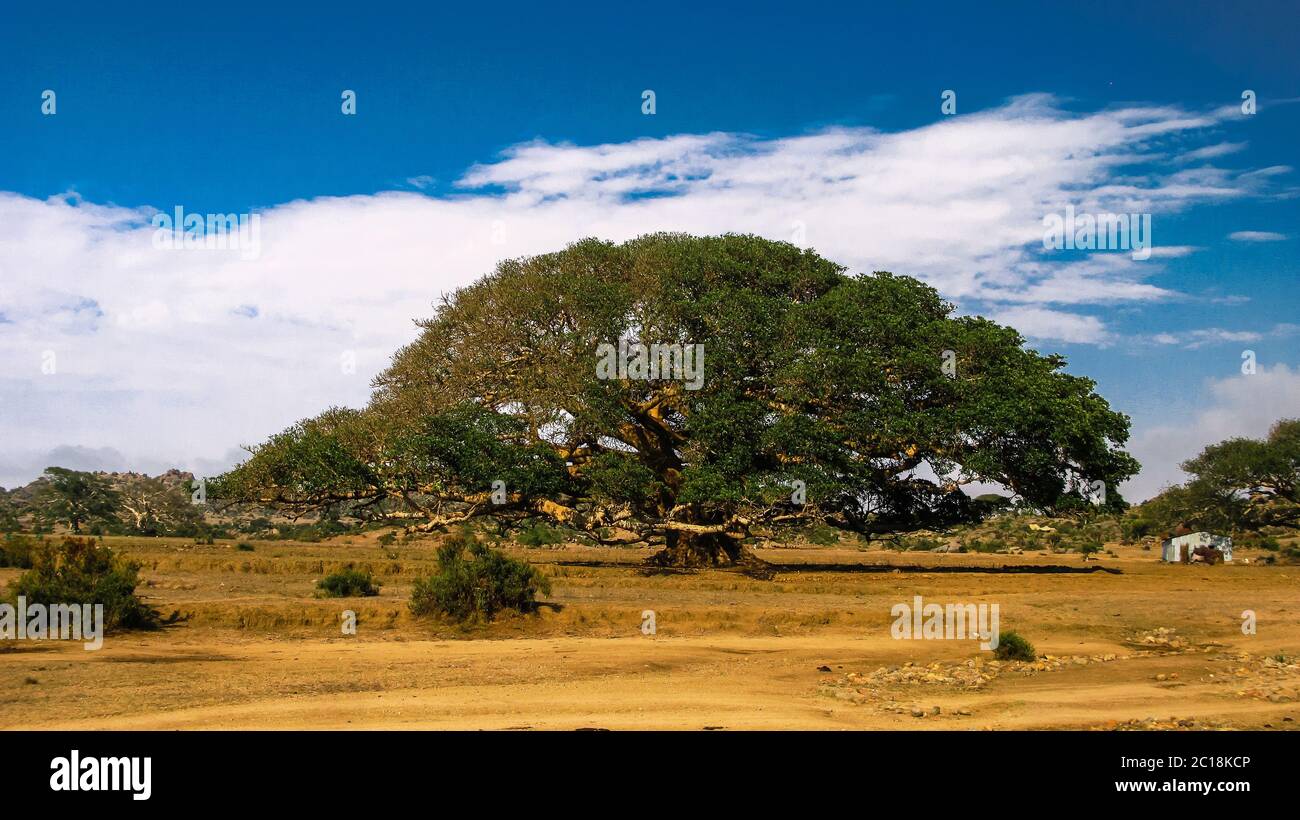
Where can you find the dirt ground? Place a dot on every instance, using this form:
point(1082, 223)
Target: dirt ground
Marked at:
point(1135, 644)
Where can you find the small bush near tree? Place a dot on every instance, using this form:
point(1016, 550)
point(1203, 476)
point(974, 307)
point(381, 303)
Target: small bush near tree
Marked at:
point(348, 583)
point(821, 535)
point(475, 581)
point(1012, 647)
point(16, 551)
point(540, 535)
point(80, 571)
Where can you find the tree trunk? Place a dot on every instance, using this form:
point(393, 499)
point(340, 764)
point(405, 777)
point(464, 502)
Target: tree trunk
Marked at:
point(687, 550)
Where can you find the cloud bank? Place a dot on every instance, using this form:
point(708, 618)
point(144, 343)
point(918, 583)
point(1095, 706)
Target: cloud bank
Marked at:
point(175, 356)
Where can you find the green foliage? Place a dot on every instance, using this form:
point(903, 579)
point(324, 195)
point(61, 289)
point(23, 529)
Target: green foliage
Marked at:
point(620, 477)
point(255, 525)
point(922, 543)
point(16, 550)
point(153, 506)
point(479, 586)
point(1012, 647)
point(1135, 527)
point(1258, 541)
point(9, 513)
point(1238, 485)
point(387, 539)
point(348, 583)
point(80, 571)
point(821, 535)
point(539, 535)
point(75, 498)
point(244, 546)
point(811, 375)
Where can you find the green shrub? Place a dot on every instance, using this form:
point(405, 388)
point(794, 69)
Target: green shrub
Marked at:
point(822, 535)
point(1136, 528)
point(79, 571)
point(256, 525)
point(16, 551)
point(348, 583)
point(244, 546)
point(540, 535)
point(387, 539)
point(1012, 647)
point(480, 587)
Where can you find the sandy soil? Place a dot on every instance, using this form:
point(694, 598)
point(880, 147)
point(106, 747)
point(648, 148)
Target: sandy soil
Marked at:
point(1149, 646)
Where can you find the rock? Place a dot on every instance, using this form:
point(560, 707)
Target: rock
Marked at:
point(917, 712)
point(823, 669)
point(935, 710)
point(964, 712)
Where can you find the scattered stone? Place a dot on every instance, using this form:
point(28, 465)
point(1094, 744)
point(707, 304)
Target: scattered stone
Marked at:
point(886, 685)
point(1272, 679)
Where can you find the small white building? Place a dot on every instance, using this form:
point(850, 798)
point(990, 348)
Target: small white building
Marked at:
point(1179, 550)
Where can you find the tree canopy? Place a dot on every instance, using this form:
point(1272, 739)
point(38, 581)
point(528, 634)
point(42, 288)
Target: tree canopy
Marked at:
point(860, 401)
point(75, 498)
point(1237, 485)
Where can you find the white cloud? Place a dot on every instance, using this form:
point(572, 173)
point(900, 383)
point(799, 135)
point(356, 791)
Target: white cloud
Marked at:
point(1256, 236)
point(175, 356)
point(1173, 251)
point(1204, 336)
point(1212, 151)
point(1243, 405)
point(1043, 323)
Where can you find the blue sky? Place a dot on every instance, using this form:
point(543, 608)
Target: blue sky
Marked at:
point(494, 115)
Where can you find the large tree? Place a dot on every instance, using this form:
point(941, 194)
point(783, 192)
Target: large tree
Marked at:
point(74, 498)
point(859, 401)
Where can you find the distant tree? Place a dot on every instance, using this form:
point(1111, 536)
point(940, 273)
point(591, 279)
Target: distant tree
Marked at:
point(75, 498)
point(152, 506)
point(1237, 485)
point(9, 513)
point(865, 394)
